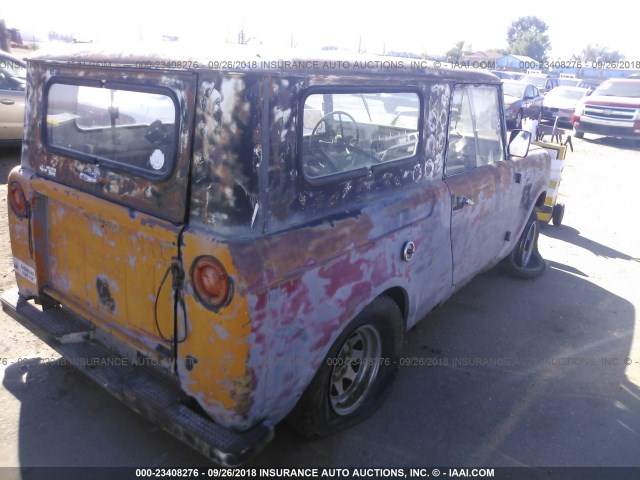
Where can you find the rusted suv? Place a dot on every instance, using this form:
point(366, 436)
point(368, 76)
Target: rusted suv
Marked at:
point(225, 244)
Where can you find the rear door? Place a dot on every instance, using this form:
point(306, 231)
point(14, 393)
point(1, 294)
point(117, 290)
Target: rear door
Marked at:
point(112, 183)
point(483, 186)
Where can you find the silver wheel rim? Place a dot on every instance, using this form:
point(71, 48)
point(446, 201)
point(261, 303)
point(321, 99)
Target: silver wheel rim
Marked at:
point(528, 244)
point(355, 370)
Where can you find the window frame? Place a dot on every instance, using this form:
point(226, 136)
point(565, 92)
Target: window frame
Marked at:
point(503, 129)
point(355, 89)
point(104, 161)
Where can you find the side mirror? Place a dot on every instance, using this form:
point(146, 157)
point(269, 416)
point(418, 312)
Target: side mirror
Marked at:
point(519, 142)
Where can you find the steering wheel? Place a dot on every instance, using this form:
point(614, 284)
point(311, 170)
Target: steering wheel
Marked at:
point(354, 141)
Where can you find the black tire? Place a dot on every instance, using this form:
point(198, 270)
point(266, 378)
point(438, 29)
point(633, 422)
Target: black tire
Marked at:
point(366, 351)
point(525, 260)
point(558, 214)
point(578, 134)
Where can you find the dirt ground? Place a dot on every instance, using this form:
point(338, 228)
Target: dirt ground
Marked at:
point(8, 159)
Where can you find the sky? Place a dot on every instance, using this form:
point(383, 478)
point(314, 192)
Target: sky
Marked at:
point(374, 27)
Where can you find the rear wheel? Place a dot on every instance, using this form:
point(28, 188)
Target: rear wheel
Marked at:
point(525, 260)
point(352, 381)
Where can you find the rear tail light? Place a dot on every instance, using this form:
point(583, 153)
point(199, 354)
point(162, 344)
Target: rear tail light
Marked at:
point(18, 200)
point(213, 286)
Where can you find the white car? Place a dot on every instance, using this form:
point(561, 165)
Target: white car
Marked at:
point(561, 102)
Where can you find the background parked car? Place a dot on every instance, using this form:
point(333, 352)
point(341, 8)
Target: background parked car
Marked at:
point(12, 90)
point(515, 75)
point(503, 75)
point(521, 100)
point(561, 102)
point(568, 82)
point(613, 110)
point(544, 82)
point(13, 65)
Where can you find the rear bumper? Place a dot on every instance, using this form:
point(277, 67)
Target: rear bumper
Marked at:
point(145, 389)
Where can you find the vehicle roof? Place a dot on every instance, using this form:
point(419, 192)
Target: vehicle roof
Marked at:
point(12, 57)
point(623, 80)
point(255, 59)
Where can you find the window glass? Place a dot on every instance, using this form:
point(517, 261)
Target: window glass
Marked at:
point(10, 82)
point(475, 128)
point(349, 131)
point(128, 129)
point(13, 67)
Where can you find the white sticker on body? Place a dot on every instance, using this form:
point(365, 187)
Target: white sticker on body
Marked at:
point(24, 270)
point(157, 159)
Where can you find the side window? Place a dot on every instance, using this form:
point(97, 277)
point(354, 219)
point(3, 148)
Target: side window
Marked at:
point(475, 128)
point(345, 132)
point(8, 82)
point(4, 82)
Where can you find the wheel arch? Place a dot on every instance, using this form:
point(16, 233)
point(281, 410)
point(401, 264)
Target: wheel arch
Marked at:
point(401, 298)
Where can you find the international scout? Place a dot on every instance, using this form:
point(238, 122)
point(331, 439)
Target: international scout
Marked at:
point(222, 241)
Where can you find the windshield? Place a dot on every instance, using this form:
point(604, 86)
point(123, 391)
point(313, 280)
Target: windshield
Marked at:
point(622, 89)
point(568, 82)
point(537, 81)
point(566, 93)
point(514, 89)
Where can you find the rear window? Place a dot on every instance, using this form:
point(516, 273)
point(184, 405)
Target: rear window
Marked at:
point(127, 129)
point(353, 131)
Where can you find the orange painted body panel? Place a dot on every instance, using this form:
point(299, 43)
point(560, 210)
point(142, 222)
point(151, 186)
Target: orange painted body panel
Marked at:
point(219, 342)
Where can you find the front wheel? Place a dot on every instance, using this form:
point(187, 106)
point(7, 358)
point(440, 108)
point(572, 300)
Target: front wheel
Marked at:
point(525, 260)
point(351, 383)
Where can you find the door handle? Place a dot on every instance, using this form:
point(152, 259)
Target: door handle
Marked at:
point(6, 101)
point(460, 202)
